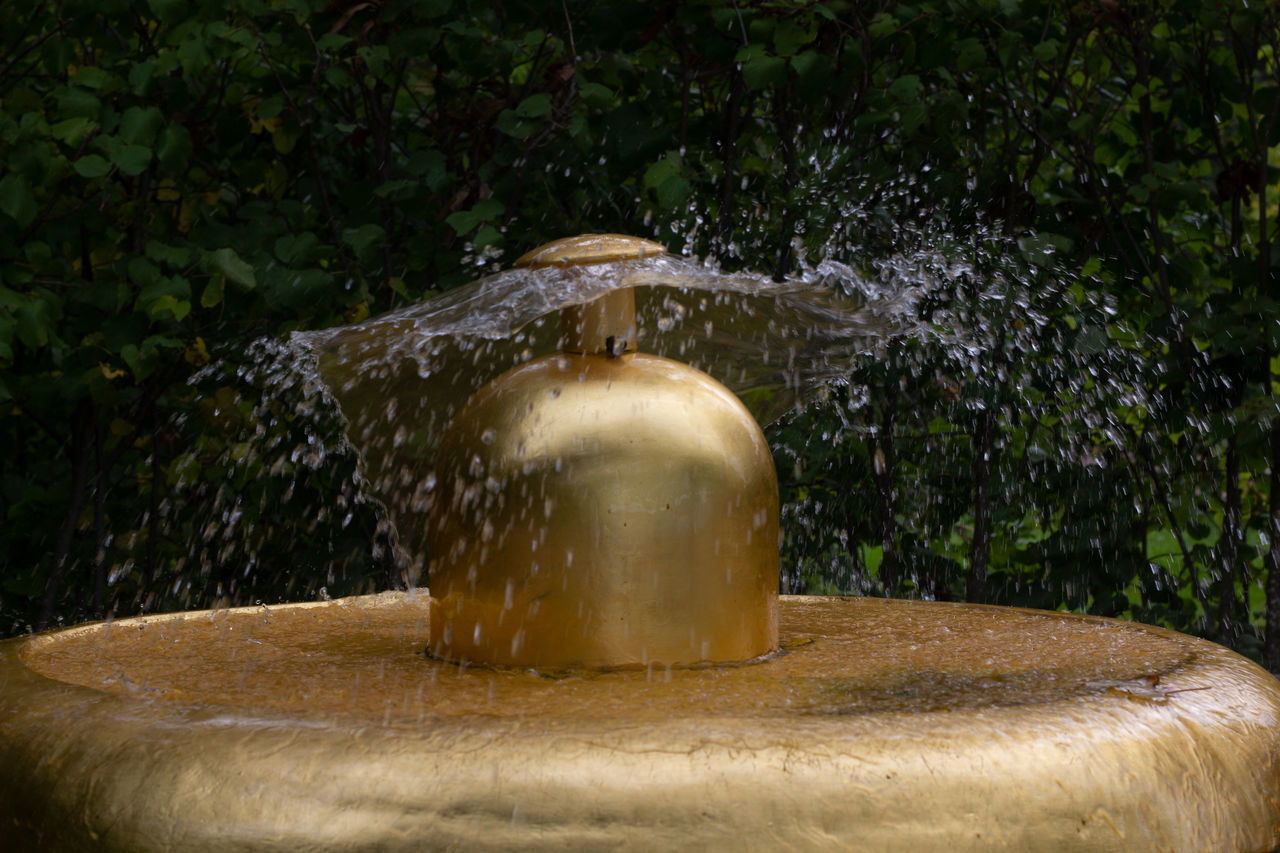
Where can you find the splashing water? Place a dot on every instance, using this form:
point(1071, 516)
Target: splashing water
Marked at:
point(366, 404)
point(401, 378)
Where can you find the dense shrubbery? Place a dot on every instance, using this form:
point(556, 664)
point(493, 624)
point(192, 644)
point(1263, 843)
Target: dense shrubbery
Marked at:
point(180, 178)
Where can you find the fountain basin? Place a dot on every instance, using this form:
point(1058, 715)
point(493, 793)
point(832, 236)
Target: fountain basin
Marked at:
point(880, 725)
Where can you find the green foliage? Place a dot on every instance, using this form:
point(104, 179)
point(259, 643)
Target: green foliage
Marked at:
point(1086, 420)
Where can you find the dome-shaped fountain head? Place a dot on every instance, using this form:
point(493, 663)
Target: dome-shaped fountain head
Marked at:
point(602, 507)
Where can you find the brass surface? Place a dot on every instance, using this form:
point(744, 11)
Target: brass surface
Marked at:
point(599, 512)
point(880, 726)
point(590, 249)
point(604, 326)
point(603, 508)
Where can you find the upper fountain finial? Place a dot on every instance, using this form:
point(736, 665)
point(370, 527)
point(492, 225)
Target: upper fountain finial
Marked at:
point(590, 249)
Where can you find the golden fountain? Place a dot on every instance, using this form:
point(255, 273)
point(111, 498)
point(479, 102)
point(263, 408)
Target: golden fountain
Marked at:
point(603, 661)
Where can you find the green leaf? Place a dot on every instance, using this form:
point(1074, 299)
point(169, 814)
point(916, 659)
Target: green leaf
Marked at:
point(72, 131)
point(16, 200)
point(139, 126)
point(169, 303)
point(430, 165)
point(212, 295)
point(1045, 51)
point(227, 262)
point(789, 37)
point(534, 106)
point(363, 237)
point(35, 323)
point(397, 190)
point(595, 94)
point(296, 249)
point(513, 125)
point(883, 24)
point(169, 11)
point(905, 89)
point(91, 77)
point(76, 102)
point(143, 272)
point(174, 256)
point(669, 186)
point(174, 148)
point(92, 166)
point(464, 221)
point(662, 170)
point(140, 77)
point(141, 367)
point(132, 159)
point(969, 54)
point(759, 69)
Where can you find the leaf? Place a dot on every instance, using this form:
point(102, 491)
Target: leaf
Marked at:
point(363, 237)
point(212, 295)
point(789, 37)
point(431, 166)
point(141, 367)
point(143, 271)
point(174, 256)
point(35, 323)
point(92, 77)
point(132, 159)
point(513, 125)
point(906, 88)
point(141, 75)
point(595, 94)
point(139, 126)
point(196, 353)
point(883, 24)
point(16, 200)
point(296, 249)
point(662, 170)
point(227, 262)
point(397, 190)
point(169, 11)
point(464, 221)
point(759, 69)
point(92, 166)
point(72, 131)
point(534, 106)
point(174, 147)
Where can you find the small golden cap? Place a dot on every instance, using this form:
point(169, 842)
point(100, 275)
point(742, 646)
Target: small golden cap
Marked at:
point(590, 249)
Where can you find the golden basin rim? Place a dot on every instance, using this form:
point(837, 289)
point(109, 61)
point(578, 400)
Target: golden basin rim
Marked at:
point(1104, 769)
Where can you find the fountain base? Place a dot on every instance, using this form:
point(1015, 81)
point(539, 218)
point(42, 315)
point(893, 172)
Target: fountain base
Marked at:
point(879, 725)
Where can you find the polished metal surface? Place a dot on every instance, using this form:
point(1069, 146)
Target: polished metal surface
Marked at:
point(590, 249)
point(595, 512)
point(604, 326)
point(879, 726)
point(601, 507)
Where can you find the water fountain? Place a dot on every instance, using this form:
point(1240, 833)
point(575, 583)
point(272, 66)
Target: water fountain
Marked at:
point(603, 660)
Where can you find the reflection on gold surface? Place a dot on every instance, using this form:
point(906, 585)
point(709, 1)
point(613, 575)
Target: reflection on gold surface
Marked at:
point(601, 507)
point(590, 249)
point(596, 511)
point(880, 725)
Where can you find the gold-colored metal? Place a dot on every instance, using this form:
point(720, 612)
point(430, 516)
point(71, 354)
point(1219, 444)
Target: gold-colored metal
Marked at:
point(601, 507)
point(590, 249)
point(883, 725)
point(600, 512)
point(604, 326)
